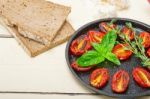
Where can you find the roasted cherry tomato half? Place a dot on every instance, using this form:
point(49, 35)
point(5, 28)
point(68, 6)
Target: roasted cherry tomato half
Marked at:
point(99, 77)
point(120, 51)
point(141, 76)
point(120, 81)
point(146, 39)
point(128, 32)
point(148, 68)
point(76, 67)
point(104, 27)
point(148, 52)
point(95, 36)
point(80, 45)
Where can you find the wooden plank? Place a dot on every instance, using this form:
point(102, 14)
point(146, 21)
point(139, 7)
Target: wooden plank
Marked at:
point(53, 96)
point(47, 72)
point(56, 96)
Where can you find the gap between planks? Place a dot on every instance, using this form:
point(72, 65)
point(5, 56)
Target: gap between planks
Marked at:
point(46, 93)
point(6, 36)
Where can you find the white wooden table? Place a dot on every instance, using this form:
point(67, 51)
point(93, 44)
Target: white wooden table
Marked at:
point(47, 76)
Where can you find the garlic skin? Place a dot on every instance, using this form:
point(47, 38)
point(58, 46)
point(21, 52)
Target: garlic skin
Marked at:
point(98, 9)
point(119, 4)
point(108, 11)
point(105, 11)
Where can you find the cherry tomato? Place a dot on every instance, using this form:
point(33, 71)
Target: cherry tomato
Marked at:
point(80, 45)
point(120, 81)
point(120, 51)
point(141, 76)
point(76, 67)
point(146, 39)
point(128, 32)
point(104, 27)
point(95, 36)
point(99, 77)
point(148, 52)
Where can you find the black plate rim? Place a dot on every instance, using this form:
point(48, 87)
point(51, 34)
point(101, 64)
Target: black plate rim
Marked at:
point(80, 80)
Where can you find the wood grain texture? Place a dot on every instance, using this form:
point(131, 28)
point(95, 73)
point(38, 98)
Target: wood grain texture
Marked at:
point(20, 74)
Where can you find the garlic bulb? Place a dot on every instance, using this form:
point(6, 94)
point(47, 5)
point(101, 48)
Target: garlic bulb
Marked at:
point(119, 4)
point(105, 11)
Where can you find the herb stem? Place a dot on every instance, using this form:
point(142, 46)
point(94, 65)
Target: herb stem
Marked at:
point(134, 46)
point(141, 54)
point(139, 45)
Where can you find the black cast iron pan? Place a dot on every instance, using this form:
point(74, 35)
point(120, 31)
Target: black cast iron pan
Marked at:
point(133, 90)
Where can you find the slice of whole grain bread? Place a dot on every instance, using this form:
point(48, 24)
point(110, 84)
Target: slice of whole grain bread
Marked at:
point(34, 48)
point(39, 20)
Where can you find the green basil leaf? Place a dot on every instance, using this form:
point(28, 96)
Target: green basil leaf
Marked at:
point(112, 57)
point(94, 57)
point(108, 42)
point(90, 58)
point(97, 47)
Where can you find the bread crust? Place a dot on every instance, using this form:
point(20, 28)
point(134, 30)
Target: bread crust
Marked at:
point(34, 48)
point(39, 20)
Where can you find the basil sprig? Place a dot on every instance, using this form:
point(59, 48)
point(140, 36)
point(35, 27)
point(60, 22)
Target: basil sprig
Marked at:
point(101, 51)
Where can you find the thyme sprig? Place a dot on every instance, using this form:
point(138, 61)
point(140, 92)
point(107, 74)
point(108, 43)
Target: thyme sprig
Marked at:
point(135, 46)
